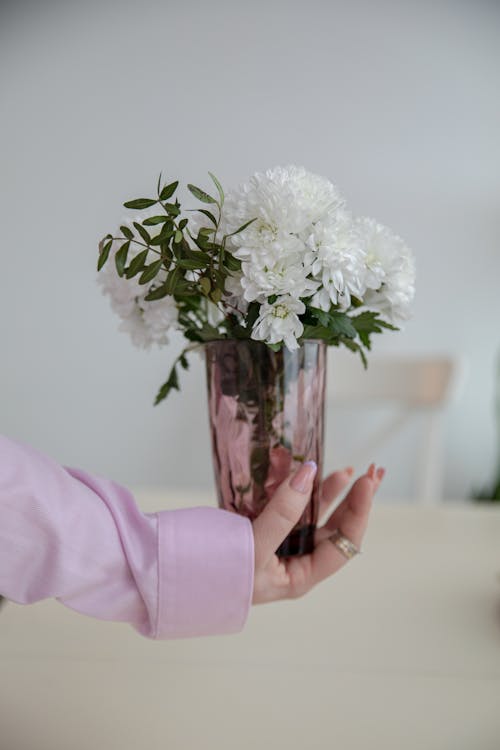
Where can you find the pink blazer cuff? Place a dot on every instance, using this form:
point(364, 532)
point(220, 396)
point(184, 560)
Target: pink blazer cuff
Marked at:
point(206, 568)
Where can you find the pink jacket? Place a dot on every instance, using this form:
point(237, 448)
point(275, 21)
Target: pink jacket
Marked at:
point(82, 539)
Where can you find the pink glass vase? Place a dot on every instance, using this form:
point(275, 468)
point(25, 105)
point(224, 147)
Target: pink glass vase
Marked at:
point(266, 413)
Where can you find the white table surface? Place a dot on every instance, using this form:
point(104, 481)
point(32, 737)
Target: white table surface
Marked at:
point(400, 650)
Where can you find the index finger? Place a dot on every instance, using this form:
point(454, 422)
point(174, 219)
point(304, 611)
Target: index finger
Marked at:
point(282, 512)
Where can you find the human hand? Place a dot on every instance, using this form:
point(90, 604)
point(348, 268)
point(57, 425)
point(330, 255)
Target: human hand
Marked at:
point(290, 578)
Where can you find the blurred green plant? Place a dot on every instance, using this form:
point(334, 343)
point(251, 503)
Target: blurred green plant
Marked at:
point(491, 493)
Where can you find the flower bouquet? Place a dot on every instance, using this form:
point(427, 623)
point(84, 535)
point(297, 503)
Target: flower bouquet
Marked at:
point(262, 279)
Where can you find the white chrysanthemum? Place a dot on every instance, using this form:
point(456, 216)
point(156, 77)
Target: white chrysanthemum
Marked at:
point(390, 271)
point(147, 322)
point(279, 322)
point(314, 195)
point(283, 201)
point(262, 244)
point(336, 257)
point(267, 276)
point(134, 325)
point(159, 316)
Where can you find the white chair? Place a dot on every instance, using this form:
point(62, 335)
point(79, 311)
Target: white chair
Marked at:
point(411, 386)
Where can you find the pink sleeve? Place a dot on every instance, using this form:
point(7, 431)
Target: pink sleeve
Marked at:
point(82, 539)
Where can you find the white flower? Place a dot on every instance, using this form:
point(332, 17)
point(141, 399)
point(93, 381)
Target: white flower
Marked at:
point(279, 322)
point(134, 325)
point(283, 201)
point(315, 196)
point(159, 316)
point(390, 271)
point(279, 275)
point(336, 256)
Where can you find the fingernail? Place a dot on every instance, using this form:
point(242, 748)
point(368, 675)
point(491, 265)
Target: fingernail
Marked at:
point(349, 470)
point(302, 479)
point(380, 473)
point(371, 471)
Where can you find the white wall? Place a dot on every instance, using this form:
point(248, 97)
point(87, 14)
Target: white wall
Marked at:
point(397, 102)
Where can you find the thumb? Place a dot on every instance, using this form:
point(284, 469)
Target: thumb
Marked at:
point(282, 512)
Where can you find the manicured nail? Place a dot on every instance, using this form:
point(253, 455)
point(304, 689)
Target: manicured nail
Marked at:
point(371, 471)
point(380, 473)
point(349, 470)
point(302, 479)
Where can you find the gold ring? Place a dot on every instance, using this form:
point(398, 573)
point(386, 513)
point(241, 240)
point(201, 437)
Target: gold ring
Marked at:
point(344, 544)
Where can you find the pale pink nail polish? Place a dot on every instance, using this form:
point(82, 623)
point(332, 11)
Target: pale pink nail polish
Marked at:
point(303, 478)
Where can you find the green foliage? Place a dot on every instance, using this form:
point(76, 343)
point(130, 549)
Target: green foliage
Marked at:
point(104, 248)
point(336, 328)
point(168, 191)
point(121, 258)
point(140, 203)
point(488, 494)
point(367, 323)
point(137, 264)
point(172, 381)
point(218, 186)
point(200, 194)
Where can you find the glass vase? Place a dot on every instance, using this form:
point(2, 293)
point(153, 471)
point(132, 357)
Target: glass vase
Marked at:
point(266, 412)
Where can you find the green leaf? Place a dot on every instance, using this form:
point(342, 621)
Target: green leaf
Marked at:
point(158, 185)
point(218, 186)
point(369, 322)
point(183, 224)
point(319, 332)
point(240, 229)
point(208, 214)
point(216, 295)
point(200, 194)
point(143, 232)
point(158, 293)
point(150, 271)
point(170, 384)
point(252, 314)
point(127, 233)
point(178, 236)
point(121, 258)
point(155, 220)
point(173, 279)
point(191, 264)
point(171, 209)
point(203, 241)
point(336, 322)
point(103, 253)
point(205, 285)
point(140, 203)
point(172, 381)
point(169, 190)
point(137, 264)
point(166, 233)
point(232, 263)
